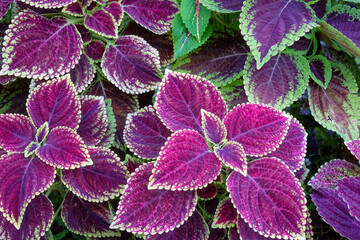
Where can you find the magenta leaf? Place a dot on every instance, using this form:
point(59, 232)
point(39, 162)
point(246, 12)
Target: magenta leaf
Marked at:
point(55, 102)
point(4, 7)
point(95, 50)
point(302, 173)
point(102, 23)
point(349, 191)
point(64, 149)
point(145, 134)
point(74, 9)
point(233, 156)
point(16, 132)
point(48, 3)
point(269, 26)
point(87, 218)
point(83, 73)
point(185, 163)
point(354, 147)
point(225, 215)
point(36, 222)
point(115, 9)
point(279, 82)
point(270, 199)
point(153, 15)
point(293, 148)
point(44, 54)
point(132, 65)
point(260, 129)
point(224, 6)
point(42, 132)
point(181, 98)
point(31, 148)
point(141, 209)
point(103, 180)
point(208, 192)
point(194, 228)
point(21, 179)
point(214, 129)
point(246, 232)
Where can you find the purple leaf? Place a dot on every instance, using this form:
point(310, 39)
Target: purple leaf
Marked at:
point(74, 9)
point(185, 163)
point(64, 149)
point(153, 15)
point(55, 102)
point(279, 82)
point(132, 65)
point(48, 3)
point(269, 26)
point(233, 156)
point(354, 147)
point(214, 129)
point(246, 232)
point(293, 148)
point(141, 210)
point(102, 23)
point(95, 50)
point(270, 199)
point(225, 215)
point(208, 192)
point(320, 70)
point(234, 94)
point(145, 134)
point(44, 54)
point(260, 129)
point(224, 6)
point(115, 9)
point(233, 234)
point(181, 98)
point(16, 132)
point(87, 218)
point(42, 132)
point(36, 222)
point(31, 148)
point(349, 191)
point(83, 73)
point(4, 7)
point(302, 173)
point(216, 233)
point(84, 32)
point(320, 8)
point(21, 179)
point(336, 213)
point(6, 79)
point(103, 180)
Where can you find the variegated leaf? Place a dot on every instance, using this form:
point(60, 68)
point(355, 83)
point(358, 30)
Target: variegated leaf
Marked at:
point(214, 129)
point(354, 147)
point(225, 215)
point(233, 156)
point(82, 74)
point(349, 191)
point(48, 3)
point(116, 10)
point(95, 50)
point(103, 23)
point(224, 6)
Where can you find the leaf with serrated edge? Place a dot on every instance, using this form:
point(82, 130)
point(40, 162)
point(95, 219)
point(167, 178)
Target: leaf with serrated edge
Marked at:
point(116, 10)
point(48, 3)
point(260, 129)
point(36, 222)
point(82, 74)
point(269, 26)
point(185, 163)
point(233, 156)
point(223, 6)
point(354, 147)
point(95, 50)
point(16, 132)
point(87, 218)
point(182, 96)
point(225, 215)
point(144, 133)
point(214, 129)
point(55, 102)
point(42, 132)
point(31, 53)
point(247, 232)
point(132, 65)
point(349, 191)
point(270, 199)
point(141, 210)
point(320, 70)
point(103, 180)
point(64, 149)
point(103, 23)
point(31, 148)
point(21, 179)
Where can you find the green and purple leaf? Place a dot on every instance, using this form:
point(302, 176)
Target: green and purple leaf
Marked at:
point(44, 54)
point(208, 192)
point(42, 132)
point(233, 156)
point(31, 148)
point(141, 209)
point(269, 26)
point(182, 96)
point(185, 163)
point(55, 102)
point(74, 9)
point(145, 134)
point(95, 50)
point(102, 23)
point(82, 74)
point(225, 215)
point(234, 94)
point(16, 132)
point(354, 147)
point(48, 3)
point(270, 199)
point(349, 191)
point(115, 9)
point(223, 6)
point(64, 149)
point(21, 179)
point(260, 129)
point(132, 65)
point(4, 7)
point(214, 129)
point(320, 70)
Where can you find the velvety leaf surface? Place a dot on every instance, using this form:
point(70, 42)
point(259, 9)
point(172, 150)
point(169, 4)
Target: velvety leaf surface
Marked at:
point(233, 156)
point(270, 199)
point(194, 228)
point(224, 6)
point(181, 98)
point(260, 129)
point(16, 132)
point(74, 9)
point(225, 215)
point(145, 134)
point(48, 3)
point(293, 149)
point(4, 7)
point(153, 15)
point(214, 129)
point(102, 23)
point(268, 26)
point(21, 180)
point(95, 50)
point(336, 213)
point(279, 82)
point(36, 47)
point(64, 149)
point(349, 191)
point(185, 163)
point(354, 147)
point(55, 102)
point(220, 62)
point(320, 70)
point(246, 232)
point(208, 192)
point(103, 180)
point(87, 218)
point(115, 9)
point(132, 65)
point(83, 74)
point(36, 222)
point(141, 209)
